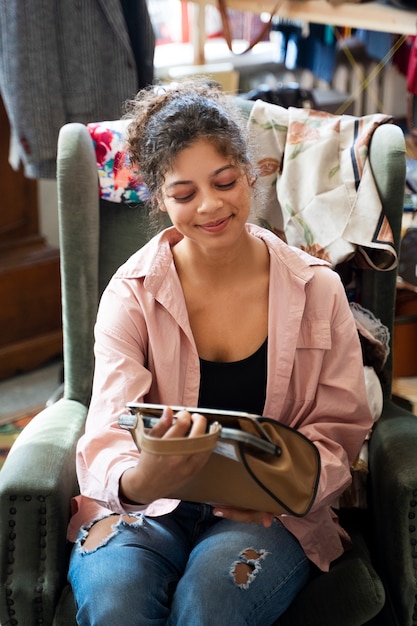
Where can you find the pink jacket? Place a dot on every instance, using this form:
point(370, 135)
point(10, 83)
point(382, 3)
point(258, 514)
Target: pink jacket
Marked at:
point(145, 351)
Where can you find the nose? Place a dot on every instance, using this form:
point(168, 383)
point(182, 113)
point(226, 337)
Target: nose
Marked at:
point(211, 201)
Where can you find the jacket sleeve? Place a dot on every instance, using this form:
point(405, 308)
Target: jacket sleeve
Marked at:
point(336, 416)
point(106, 451)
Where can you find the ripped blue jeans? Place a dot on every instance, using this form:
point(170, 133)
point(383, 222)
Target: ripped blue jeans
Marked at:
point(187, 568)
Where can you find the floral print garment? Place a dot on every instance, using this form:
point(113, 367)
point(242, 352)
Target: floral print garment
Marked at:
point(117, 183)
point(317, 188)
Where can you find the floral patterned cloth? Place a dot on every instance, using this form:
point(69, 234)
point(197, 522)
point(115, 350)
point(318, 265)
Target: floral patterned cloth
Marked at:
point(317, 187)
point(117, 183)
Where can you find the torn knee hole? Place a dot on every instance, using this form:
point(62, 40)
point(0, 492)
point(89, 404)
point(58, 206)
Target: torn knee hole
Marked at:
point(102, 531)
point(242, 573)
point(251, 555)
point(245, 569)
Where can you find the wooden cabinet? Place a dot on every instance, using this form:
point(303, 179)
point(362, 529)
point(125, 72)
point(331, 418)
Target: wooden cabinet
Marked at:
point(30, 300)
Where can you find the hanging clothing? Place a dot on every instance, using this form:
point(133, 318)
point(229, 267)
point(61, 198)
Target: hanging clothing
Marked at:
point(317, 51)
point(412, 68)
point(378, 45)
point(68, 61)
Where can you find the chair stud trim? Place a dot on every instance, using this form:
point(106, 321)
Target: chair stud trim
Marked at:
point(412, 528)
point(13, 538)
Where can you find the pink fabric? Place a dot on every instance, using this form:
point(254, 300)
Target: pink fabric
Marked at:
point(145, 351)
point(412, 69)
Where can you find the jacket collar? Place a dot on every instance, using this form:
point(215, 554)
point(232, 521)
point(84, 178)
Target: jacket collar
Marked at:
point(154, 261)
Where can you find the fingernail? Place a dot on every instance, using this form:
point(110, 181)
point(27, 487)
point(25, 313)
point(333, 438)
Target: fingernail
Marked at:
point(218, 513)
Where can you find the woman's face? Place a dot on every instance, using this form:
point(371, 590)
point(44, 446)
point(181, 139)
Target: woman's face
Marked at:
point(206, 196)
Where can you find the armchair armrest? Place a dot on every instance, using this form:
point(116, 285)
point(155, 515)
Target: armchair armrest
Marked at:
point(393, 503)
point(37, 483)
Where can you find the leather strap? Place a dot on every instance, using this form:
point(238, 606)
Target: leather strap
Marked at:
point(176, 445)
point(228, 33)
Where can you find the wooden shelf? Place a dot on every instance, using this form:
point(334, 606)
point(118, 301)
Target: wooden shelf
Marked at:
point(376, 16)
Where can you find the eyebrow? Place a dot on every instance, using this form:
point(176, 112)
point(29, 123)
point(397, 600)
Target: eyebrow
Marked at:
point(176, 183)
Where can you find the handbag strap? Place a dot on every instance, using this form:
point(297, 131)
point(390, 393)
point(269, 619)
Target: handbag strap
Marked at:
point(175, 445)
point(227, 31)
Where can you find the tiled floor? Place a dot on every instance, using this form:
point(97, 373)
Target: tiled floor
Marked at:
point(28, 391)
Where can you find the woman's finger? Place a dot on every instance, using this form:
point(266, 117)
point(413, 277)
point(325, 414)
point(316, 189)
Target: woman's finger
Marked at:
point(199, 425)
point(181, 425)
point(164, 423)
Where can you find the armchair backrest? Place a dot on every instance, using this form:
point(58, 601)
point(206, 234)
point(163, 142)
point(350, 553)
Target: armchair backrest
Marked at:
point(387, 158)
point(96, 236)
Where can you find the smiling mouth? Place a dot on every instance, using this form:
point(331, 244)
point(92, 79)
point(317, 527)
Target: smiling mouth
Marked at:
point(217, 225)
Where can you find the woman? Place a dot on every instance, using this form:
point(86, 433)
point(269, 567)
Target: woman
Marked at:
point(212, 312)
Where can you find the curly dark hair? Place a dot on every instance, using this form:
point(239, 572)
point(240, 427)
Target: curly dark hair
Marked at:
point(167, 119)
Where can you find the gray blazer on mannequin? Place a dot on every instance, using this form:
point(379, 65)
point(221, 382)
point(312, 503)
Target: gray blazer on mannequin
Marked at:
point(68, 60)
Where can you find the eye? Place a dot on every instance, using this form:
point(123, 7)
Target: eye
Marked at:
point(226, 180)
point(183, 197)
point(228, 185)
point(181, 193)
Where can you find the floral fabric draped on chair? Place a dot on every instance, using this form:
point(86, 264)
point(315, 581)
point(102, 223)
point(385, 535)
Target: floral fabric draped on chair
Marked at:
point(318, 185)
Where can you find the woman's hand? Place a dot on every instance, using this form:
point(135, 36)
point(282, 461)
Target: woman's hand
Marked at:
point(156, 476)
point(244, 515)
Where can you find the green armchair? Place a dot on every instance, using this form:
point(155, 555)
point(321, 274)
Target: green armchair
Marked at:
point(374, 583)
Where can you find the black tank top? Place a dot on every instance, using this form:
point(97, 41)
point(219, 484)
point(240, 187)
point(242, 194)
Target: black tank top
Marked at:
point(235, 386)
